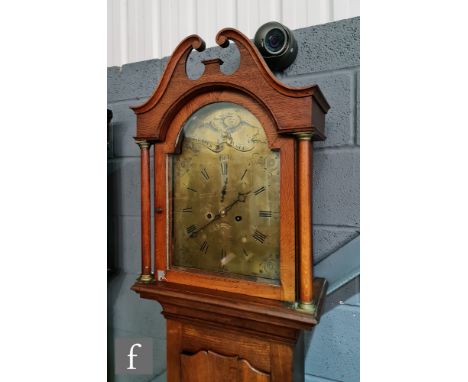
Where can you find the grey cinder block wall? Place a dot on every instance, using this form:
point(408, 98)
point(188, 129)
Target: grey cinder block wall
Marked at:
point(328, 56)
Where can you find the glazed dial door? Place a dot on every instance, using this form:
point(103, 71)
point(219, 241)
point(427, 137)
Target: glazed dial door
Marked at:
point(225, 196)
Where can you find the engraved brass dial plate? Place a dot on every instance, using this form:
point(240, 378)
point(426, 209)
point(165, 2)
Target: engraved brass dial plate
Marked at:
point(225, 195)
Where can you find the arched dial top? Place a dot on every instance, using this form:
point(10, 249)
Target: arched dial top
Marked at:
point(226, 195)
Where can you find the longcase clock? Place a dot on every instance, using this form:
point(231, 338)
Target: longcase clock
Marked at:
point(232, 216)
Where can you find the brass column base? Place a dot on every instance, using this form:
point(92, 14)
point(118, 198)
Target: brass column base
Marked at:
point(307, 307)
point(146, 278)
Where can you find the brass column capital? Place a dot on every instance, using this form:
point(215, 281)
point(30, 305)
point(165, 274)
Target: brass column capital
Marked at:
point(144, 144)
point(304, 136)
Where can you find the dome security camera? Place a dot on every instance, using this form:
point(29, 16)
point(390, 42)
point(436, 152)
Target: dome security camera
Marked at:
point(277, 45)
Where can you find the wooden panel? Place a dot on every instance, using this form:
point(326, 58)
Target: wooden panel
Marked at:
point(226, 16)
point(247, 373)
point(210, 366)
point(169, 25)
point(174, 346)
point(136, 31)
point(268, 10)
point(318, 11)
point(281, 362)
point(205, 14)
point(226, 342)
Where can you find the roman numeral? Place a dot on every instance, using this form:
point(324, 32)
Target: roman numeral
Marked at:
point(204, 247)
point(224, 168)
point(205, 174)
point(187, 209)
point(259, 236)
point(264, 214)
point(245, 172)
point(191, 229)
point(260, 190)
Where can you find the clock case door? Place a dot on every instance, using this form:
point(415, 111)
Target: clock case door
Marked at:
point(285, 290)
point(283, 112)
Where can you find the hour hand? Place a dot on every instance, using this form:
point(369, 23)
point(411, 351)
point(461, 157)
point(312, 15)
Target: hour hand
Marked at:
point(224, 190)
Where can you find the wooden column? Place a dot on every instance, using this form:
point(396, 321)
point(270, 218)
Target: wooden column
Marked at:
point(304, 176)
point(146, 274)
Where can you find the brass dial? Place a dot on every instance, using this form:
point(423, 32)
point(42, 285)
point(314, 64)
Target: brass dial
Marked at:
point(225, 195)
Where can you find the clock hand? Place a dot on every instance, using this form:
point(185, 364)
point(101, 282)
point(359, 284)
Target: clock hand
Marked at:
point(241, 197)
point(223, 191)
point(216, 217)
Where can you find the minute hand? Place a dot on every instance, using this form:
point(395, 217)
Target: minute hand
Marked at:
point(240, 198)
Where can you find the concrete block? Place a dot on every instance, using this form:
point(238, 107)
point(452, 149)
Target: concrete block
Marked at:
point(195, 68)
point(326, 47)
point(133, 81)
point(124, 184)
point(336, 187)
point(314, 378)
point(358, 107)
point(164, 62)
point(123, 128)
point(114, 83)
point(353, 300)
point(339, 120)
point(229, 55)
point(110, 141)
point(128, 312)
point(340, 267)
point(127, 243)
point(332, 349)
point(328, 240)
point(160, 378)
point(129, 378)
point(348, 294)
